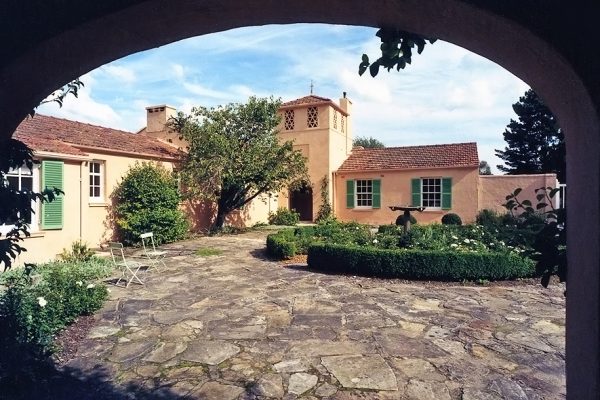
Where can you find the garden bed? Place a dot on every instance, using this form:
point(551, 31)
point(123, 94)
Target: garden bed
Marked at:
point(475, 252)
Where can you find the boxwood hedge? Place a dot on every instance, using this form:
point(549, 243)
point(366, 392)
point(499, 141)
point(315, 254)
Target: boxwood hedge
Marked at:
point(282, 245)
point(419, 264)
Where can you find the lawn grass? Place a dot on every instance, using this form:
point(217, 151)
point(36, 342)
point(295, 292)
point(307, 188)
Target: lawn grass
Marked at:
point(207, 251)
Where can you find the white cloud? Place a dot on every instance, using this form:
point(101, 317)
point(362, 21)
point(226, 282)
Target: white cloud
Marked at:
point(85, 108)
point(178, 71)
point(448, 94)
point(118, 72)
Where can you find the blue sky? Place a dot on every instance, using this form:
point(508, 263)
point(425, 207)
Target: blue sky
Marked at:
point(447, 95)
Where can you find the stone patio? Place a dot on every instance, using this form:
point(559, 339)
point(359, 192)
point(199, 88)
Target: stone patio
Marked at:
point(237, 326)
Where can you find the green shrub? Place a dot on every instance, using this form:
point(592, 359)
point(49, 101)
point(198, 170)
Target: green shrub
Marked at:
point(289, 242)
point(281, 245)
point(147, 200)
point(390, 229)
point(488, 217)
point(40, 301)
point(79, 252)
point(418, 264)
point(284, 216)
point(451, 219)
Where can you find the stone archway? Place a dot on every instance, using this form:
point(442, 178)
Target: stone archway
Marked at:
point(544, 43)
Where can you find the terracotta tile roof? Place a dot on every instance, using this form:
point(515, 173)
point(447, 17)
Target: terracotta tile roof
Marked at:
point(422, 157)
point(312, 100)
point(57, 135)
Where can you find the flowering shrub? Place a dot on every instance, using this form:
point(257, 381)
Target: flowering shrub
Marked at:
point(465, 238)
point(40, 301)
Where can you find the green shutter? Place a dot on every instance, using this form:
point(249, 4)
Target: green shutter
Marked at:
point(349, 193)
point(416, 192)
point(446, 193)
point(376, 193)
point(52, 177)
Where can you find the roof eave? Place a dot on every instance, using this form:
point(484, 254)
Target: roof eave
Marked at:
point(358, 171)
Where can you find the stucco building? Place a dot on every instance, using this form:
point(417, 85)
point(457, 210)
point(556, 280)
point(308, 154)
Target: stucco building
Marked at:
point(88, 161)
point(363, 183)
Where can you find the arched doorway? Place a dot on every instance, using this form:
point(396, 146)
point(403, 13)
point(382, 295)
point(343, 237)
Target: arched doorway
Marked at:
point(43, 50)
point(301, 200)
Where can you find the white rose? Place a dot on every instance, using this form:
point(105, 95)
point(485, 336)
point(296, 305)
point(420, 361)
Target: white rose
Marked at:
point(90, 286)
point(42, 301)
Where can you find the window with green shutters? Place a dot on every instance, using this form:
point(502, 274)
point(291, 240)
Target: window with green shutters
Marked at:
point(363, 193)
point(52, 176)
point(432, 193)
point(446, 193)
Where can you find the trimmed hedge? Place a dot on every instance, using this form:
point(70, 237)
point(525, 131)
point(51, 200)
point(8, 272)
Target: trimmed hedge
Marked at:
point(282, 245)
point(419, 264)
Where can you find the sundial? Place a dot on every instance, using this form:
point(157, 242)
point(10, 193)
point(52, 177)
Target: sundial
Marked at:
point(406, 215)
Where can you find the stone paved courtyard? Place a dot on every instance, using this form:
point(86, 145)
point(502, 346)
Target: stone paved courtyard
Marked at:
point(237, 326)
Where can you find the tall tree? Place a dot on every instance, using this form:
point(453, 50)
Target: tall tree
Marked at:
point(535, 142)
point(484, 168)
point(234, 154)
point(368, 142)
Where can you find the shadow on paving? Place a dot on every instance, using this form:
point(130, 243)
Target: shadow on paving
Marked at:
point(68, 383)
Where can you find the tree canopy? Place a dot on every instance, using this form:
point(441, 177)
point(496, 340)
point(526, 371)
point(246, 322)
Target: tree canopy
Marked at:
point(535, 142)
point(484, 168)
point(234, 154)
point(368, 142)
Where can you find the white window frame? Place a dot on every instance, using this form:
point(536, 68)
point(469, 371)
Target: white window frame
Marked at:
point(423, 192)
point(368, 184)
point(35, 207)
point(100, 174)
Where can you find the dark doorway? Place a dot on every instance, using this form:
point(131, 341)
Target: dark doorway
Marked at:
point(301, 200)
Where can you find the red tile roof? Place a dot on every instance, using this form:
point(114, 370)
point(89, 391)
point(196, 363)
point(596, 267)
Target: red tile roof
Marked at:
point(57, 135)
point(421, 157)
point(312, 100)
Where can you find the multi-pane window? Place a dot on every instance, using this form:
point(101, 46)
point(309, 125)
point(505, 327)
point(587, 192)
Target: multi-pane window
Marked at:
point(96, 184)
point(431, 189)
point(343, 124)
point(312, 117)
point(364, 193)
point(335, 120)
point(22, 179)
point(289, 120)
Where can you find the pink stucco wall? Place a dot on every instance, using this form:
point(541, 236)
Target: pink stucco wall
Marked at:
point(396, 190)
point(493, 189)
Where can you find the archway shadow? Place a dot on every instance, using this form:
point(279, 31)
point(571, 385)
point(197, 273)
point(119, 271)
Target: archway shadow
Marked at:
point(71, 382)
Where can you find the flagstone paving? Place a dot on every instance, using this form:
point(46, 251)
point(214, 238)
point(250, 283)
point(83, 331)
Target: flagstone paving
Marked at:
point(237, 326)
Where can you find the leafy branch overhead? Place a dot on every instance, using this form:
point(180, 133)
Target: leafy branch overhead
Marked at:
point(58, 96)
point(396, 50)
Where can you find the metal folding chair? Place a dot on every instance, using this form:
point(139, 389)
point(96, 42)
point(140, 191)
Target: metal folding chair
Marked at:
point(128, 267)
point(155, 257)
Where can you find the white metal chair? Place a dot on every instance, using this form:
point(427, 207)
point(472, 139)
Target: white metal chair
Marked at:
point(155, 257)
point(128, 267)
